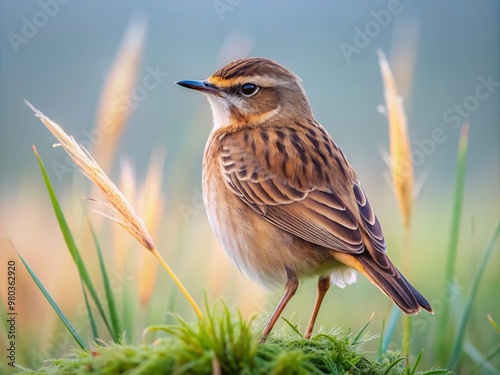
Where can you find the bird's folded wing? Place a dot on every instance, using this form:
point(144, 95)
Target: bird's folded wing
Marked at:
point(371, 225)
point(304, 204)
point(318, 221)
point(317, 216)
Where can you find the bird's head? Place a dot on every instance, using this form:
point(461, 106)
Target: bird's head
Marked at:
point(252, 91)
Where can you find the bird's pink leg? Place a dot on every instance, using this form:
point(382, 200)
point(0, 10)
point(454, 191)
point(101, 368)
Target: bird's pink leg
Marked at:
point(290, 289)
point(323, 286)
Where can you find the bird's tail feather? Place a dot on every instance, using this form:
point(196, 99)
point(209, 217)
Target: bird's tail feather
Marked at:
point(390, 281)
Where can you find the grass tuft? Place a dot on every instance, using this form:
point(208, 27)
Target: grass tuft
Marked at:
point(53, 303)
point(71, 245)
point(401, 164)
point(225, 343)
point(118, 207)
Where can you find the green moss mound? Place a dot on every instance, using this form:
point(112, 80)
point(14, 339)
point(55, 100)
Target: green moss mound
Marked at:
point(321, 355)
point(223, 344)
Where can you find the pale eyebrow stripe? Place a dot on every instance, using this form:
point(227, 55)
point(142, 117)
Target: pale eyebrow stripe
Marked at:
point(262, 81)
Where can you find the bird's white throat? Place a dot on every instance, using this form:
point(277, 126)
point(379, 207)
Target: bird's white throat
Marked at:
point(220, 111)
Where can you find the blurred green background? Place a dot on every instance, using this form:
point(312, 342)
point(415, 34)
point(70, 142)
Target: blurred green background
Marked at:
point(440, 52)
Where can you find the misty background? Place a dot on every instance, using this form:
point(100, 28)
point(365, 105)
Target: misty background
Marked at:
point(444, 55)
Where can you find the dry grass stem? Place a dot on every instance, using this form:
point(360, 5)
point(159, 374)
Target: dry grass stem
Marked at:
point(113, 108)
point(118, 208)
point(404, 51)
point(401, 163)
point(401, 170)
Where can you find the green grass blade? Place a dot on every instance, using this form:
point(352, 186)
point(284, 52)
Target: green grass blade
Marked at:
point(391, 327)
point(53, 303)
point(457, 345)
point(292, 326)
point(107, 288)
point(488, 357)
point(417, 361)
point(93, 326)
point(129, 313)
point(406, 339)
point(392, 365)
point(71, 245)
point(457, 202)
point(358, 335)
point(480, 360)
point(494, 324)
point(442, 333)
point(381, 344)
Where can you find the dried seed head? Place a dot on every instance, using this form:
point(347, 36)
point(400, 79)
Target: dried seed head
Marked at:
point(120, 83)
point(401, 163)
point(118, 208)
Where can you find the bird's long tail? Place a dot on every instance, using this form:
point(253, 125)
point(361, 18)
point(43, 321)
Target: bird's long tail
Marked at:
point(388, 280)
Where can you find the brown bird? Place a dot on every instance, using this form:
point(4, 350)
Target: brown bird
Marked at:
point(281, 196)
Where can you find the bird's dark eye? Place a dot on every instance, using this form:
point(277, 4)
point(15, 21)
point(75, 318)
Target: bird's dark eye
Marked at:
point(249, 89)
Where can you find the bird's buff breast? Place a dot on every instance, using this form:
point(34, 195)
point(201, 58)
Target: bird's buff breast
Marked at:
point(258, 248)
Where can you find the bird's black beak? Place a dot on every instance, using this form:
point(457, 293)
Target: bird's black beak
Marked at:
point(202, 86)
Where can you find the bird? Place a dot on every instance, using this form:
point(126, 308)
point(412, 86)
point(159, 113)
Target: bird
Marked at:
point(280, 195)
